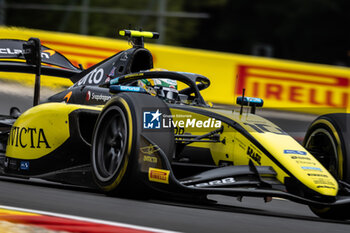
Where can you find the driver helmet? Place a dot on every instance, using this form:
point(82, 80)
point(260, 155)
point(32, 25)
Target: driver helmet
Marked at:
point(163, 88)
point(166, 89)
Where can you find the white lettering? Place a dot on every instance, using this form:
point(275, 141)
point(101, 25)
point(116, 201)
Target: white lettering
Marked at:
point(101, 97)
point(91, 76)
point(45, 55)
point(8, 51)
point(181, 124)
point(98, 76)
point(94, 77)
point(224, 181)
point(194, 123)
point(174, 123)
point(165, 125)
point(190, 123)
point(206, 124)
point(217, 124)
point(83, 80)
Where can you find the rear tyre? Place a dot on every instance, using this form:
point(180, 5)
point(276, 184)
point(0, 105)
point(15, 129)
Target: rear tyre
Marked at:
point(328, 140)
point(116, 140)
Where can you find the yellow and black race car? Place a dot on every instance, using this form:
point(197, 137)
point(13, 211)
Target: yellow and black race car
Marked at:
point(130, 129)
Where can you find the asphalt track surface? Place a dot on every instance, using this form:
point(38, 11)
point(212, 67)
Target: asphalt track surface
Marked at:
point(226, 215)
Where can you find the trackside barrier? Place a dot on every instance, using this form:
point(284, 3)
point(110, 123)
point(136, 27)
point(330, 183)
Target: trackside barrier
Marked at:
point(281, 83)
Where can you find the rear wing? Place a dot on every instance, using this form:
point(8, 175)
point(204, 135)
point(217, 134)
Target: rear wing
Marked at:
point(32, 57)
point(15, 49)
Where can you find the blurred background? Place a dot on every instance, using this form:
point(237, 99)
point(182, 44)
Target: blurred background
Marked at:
point(299, 50)
point(314, 31)
point(300, 32)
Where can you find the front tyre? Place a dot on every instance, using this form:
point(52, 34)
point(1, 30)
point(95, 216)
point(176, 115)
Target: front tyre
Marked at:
point(112, 142)
point(328, 140)
point(116, 156)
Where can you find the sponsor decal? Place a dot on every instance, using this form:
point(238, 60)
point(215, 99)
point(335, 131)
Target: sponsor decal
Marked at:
point(151, 120)
point(49, 51)
point(10, 51)
point(44, 54)
point(312, 168)
point(118, 88)
point(111, 73)
point(158, 175)
point(6, 162)
point(12, 164)
point(254, 100)
point(293, 86)
point(325, 187)
point(124, 57)
point(24, 165)
point(323, 181)
point(242, 146)
point(305, 162)
point(300, 157)
point(165, 83)
point(133, 75)
point(88, 96)
point(318, 175)
point(130, 88)
point(186, 181)
point(67, 97)
point(240, 143)
point(149, 150)
point(151, 159)
point(265, 128)
point(221, 182)
point(94, 77)
point(107, 79)
point(254, 155)
point(295, 152)
point(157, 120)
point(27, 137)
point(179, 130)
point(100, 97)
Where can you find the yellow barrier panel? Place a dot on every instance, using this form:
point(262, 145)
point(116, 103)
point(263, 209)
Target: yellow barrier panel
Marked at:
point(281, 83)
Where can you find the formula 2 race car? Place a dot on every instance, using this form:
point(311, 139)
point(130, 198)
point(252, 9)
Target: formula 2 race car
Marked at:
point(130, 129)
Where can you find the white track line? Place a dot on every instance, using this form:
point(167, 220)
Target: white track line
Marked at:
point(91, 220)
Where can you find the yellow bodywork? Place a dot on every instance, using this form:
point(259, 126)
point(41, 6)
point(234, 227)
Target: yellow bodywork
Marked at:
point(239, 149)
point(41, 130)
point(44, 128)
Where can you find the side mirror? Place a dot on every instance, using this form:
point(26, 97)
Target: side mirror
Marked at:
point(250, 101)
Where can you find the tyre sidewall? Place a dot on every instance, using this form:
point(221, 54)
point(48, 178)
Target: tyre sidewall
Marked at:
point(117, 179)
point(133, 105)
point(338, 126)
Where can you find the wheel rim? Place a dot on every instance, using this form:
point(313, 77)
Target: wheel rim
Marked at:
point(110, 143)
point(322, 140)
